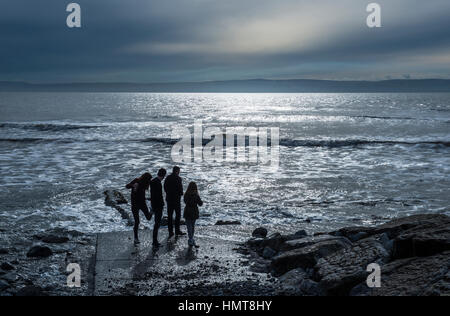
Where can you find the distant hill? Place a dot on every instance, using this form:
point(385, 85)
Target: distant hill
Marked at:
point(255, 85)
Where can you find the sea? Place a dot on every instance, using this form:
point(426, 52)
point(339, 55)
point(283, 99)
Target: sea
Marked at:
point(344, 159)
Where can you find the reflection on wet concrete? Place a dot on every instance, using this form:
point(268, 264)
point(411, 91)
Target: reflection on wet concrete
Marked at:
point(175, 268)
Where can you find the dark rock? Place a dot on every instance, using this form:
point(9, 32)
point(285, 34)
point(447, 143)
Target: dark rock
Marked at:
point(6, 266)
point(31, 291)
point(360, 290)
point(254, 242)
point(387, 243)
point(114, 197)
point(334, 265)
point(4, 285)
point(307, 257)
point(344, 269)
point(223, 223)
point(39, 252)
point(10, 277)
point(424, 221)
point(274, 241)
point(309, 287)
point(422, 241)
point(358, 236)
point(416, 277)
point(307, 241)
point(297, 235)
point(260, 267)
point(3, 251)
point(353, 233)
point(301, 233)
point(260, 232)
point(395, 227)
point(291, 281)
point(53, 239)
point(268, 253)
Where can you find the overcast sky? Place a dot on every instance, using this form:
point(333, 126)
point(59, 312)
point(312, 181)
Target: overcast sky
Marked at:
point(197, 40)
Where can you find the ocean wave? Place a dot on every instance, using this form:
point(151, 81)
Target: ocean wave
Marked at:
point(37, 140)
point(356, 142)
point(21, 140)
point(314, 143)
point(390, 118)
point(47, 127)
point(334, 143)
point(162, 140)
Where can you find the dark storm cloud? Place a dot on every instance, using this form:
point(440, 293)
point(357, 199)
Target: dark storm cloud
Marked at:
point(180, 40)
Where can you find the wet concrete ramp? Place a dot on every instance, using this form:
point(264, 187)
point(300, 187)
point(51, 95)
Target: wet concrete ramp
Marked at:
point(217, 268)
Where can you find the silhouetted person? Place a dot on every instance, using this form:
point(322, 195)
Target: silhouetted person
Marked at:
point(191, 212)
point(138, 187)
point(157, 203)
point(173, 186)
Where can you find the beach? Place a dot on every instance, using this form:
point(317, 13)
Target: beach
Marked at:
point(235, 260)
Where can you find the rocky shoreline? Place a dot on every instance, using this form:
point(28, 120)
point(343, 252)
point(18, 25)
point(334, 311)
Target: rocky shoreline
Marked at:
point(35, 265)
point(412, 252)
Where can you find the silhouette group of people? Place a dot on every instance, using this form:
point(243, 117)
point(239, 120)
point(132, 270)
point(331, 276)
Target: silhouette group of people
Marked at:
point(173, 187)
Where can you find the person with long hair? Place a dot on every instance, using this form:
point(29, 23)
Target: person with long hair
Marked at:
point(138, 187)
point(191, 212)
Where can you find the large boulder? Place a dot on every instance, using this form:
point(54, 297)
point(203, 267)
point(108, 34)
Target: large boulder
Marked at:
point(309, 287)
point(292, 280)
point(339, 272)
point(398, 226)
point(336, 263)
point(39, 252)
point(427, 276)
point(273, 241)
point(395, 227)
point(422, 241)
point(114, 197)
point(308, 256)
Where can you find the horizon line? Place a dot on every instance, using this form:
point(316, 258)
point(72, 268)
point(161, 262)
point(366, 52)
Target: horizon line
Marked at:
point(217, 81)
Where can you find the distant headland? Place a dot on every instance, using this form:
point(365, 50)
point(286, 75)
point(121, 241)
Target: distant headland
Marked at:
point(242, 86)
